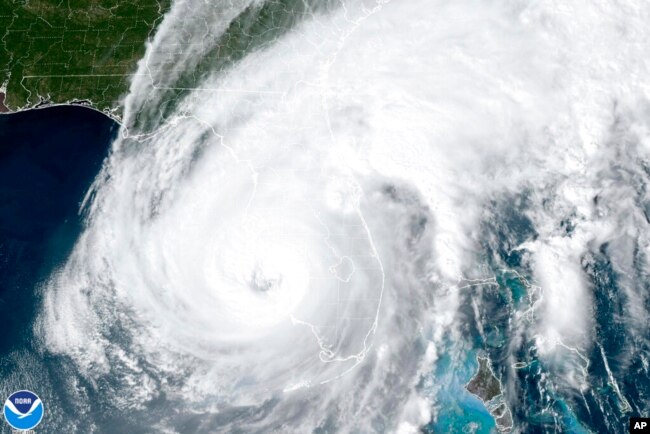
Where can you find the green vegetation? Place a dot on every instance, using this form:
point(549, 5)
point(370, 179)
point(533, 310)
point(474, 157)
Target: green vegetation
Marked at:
point(57, 51)
point(61, 51)
point(256, 27)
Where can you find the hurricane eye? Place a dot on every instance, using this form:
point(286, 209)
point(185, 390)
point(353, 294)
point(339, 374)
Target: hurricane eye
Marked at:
point(262, 283)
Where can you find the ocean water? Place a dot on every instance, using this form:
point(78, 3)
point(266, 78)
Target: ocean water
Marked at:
point(48, 159)
point(330, 228)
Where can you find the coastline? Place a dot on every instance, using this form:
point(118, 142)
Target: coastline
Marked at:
point(111, 114)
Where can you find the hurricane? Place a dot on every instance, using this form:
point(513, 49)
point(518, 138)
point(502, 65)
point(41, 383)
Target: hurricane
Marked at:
point(317, 214)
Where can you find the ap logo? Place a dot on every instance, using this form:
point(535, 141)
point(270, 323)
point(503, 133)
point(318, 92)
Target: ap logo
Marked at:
point(639, 425)
point(23, 410)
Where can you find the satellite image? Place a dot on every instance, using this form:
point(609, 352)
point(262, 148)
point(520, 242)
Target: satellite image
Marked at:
point(325, 216)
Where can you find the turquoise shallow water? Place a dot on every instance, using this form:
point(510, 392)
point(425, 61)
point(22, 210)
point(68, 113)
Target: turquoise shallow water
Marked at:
point(492, 318)
point(459, 410)
point(48, 159)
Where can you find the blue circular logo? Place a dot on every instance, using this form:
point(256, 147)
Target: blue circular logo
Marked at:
point(23, 410)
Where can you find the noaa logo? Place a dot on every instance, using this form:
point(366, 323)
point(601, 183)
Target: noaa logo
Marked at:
point(23, 410)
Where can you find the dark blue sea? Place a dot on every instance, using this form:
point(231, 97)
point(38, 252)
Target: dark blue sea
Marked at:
point(48, 159)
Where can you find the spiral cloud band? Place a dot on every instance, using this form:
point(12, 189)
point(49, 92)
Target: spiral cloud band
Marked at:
point(276, 240)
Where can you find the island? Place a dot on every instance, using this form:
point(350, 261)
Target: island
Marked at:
point(487, 387)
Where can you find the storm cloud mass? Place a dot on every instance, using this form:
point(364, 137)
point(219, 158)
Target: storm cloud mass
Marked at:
point(315, 209)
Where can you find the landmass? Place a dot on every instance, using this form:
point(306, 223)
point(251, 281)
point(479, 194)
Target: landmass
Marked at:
point(78, 51)
point(3, 108)
point(487, 387)
point(86, 51)
point(484, 384)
